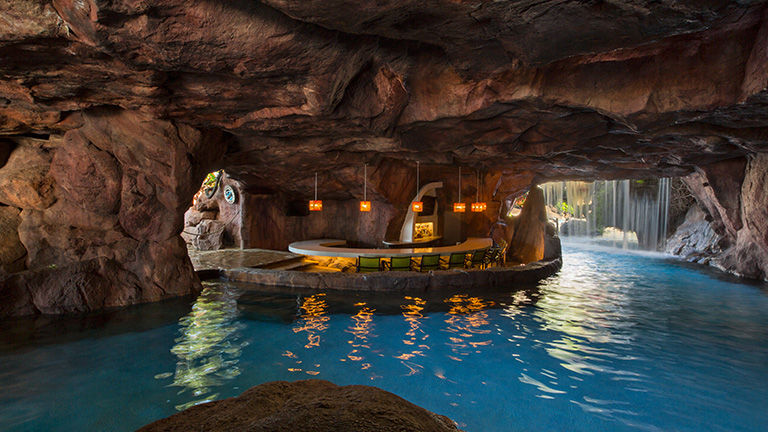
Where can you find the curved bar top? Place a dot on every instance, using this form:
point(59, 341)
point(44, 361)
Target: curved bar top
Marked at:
point(334, 248)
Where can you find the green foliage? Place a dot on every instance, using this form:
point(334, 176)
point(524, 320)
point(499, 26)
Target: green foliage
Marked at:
point(565, 208)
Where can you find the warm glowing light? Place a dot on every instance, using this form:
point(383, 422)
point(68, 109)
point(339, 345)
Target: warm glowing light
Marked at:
point(459, 207)
point(315, 205)
point(484, 206)
point(478, 206)
point(417, 206)
point(423, 230)
point(365, 206)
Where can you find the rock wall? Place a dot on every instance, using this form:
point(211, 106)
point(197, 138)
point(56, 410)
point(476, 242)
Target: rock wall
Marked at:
point(730, 229)
point(99, 213)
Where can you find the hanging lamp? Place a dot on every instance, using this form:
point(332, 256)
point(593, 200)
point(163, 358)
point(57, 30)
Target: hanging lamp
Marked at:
point(365, 205)
point(459, 207)
point(478, 206)
point(315, 204)
point(417, 206)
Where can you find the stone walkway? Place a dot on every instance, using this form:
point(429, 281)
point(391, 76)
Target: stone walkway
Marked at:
point(237, 258)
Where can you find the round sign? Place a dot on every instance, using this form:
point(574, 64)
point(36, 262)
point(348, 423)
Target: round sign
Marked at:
point(229, 194)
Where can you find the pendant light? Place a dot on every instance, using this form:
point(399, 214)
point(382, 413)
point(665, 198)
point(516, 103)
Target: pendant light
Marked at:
point(459, 207)
point(365, 205)
point(315, 204)
point(417, 206)
point(478, 206)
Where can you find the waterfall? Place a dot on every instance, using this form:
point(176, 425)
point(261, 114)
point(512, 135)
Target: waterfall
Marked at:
point(624, 213)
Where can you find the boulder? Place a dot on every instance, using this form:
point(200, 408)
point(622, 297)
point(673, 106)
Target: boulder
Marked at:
point(534, 237)
point(694, 237)
point(307, 406)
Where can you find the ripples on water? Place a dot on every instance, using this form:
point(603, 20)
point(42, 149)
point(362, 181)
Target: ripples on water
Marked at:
point(614, 342)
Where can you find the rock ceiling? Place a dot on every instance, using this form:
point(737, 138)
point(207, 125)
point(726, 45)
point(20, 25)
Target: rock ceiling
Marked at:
point(527, 90)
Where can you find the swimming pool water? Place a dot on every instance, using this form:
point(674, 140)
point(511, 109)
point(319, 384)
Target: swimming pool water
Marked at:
point(615, 342)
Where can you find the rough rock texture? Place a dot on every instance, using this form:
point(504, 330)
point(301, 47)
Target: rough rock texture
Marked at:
point(101, 227)
point(112, 107)
point(310, 406)
point(695, 239)
point(495, 277)
point(208, 235)
point(12, 252)
point(734, 236)
point(530, 236)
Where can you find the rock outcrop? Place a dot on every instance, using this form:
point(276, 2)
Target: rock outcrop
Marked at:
point(309, 405)
point(100, 223)
point(111, 111)
point(730, 230)
point(694, 239)
point(530, 236)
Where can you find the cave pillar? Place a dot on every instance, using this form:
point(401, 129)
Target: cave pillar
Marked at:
point(109, 236)
point(529, 235)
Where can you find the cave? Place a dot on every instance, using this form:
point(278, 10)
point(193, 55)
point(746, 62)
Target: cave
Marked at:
point(613, 155)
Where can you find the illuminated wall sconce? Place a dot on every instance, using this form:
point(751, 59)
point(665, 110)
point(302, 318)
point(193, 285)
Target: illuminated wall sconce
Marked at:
point(365, 206)
point(315, 204)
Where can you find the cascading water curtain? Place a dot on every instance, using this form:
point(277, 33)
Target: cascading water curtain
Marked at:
point(637, 208)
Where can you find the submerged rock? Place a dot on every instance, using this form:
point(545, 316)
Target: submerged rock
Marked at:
point(307, 406)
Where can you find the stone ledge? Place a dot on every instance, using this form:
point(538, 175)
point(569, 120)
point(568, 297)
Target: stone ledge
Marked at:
point(397, 281)
point(308, 406)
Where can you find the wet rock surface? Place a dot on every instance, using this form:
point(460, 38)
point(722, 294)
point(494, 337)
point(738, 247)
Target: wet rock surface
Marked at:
point(309, 405)
point(495, 277)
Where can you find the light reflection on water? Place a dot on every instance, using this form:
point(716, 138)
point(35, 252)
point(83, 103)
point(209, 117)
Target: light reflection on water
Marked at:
point(415, 340)
point(467, 325)
point(614, 342)
point(313, 319)
point(209, 347)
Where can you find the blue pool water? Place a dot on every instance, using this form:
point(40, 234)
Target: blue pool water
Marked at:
point(614, 342)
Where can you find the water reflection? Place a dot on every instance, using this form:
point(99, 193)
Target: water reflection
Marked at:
point(468, 323)
point(415, 336)
point(360, 330)
point(592, 319)
point(209, 347)
point(313, 319)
